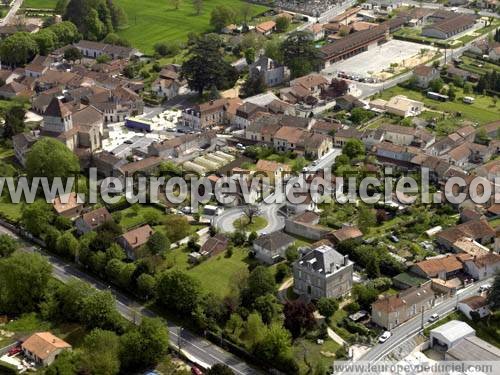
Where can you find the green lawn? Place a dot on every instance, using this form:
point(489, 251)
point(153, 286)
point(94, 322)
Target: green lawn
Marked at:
point(481, 111)
point(314, 354)
point(243, 223)
point(495, 223)
point(151, 21)
point(215, 274)
point(39, 4)
point(131, 218)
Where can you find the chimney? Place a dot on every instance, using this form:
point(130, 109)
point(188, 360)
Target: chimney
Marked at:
point(346, 260)
point(136, 239)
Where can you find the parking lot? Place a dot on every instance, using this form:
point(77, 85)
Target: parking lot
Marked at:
point(372, 62)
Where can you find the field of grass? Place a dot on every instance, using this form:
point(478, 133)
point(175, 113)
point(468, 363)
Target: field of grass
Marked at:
point(481, 111)
point(257, 224)
point(131, 218)
point(39, 4)
point(314, 354)
point(150, 21)
point(216, 274)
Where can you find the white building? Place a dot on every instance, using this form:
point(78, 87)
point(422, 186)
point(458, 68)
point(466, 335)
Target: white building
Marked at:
point(449, 334)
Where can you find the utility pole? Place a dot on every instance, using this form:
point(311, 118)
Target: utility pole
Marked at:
point(422, 322)
point(179, 339)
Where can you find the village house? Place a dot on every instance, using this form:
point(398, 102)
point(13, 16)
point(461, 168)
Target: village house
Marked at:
point(214, 245)
point(92, 220)
point(391, 311)
point(132, 240)
point(474, 305)
point(478, 230)
point(266, 27)
point(183, 145)
point(407, 136)
point(483, 266)
point(317, 31)
point(490, 170)
point(14, 89)
point(345, 233)
point(68, 205)
point(424, 74)
point(314, 83)
point(306, 225)
point(271, 169)
point(43, 348)
point(22, 143)
point(263, 129)
point(270, 248)
point(441, 267)
point(206, 115)
point(322, 272)
point(400, 105)
point(247, 113)
point(341, 136)
point(271, 72)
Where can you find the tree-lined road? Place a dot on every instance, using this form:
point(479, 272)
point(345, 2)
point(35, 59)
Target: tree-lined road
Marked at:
point(197, 349)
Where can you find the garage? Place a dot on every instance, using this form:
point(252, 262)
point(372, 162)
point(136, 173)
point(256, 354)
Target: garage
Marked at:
point(447, 335)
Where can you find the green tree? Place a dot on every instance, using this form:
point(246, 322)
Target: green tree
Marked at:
point(367, 218)
point(145, 345)
point(299, 316)
point(67, 245)
point(157, 243)
point(282, 24)
point(8, 245)
point(268, 307)
point(436, 85)
point(72, 54)
point(36, 217)
point(178, 291)
point(206, 66)
point(176, 227)
point(250, 55)
point(220, 369)
point(221, 16)
point(46, 40)
point(494, 293)
point(102, 59)
point(18, 48)
point(101, 353)
point(146, 286)
point(276, 348)
point(255, 330)
point(373, 267)
point(300, 53)
point(50, 158)
point(61, 6)
point(253, 85)
point(116, 40)
point(197, 6)
point(98, 310)
point(14, 121)
point(327, 307)
point(66, 33)
point(353, 148)
point(260, 282)
point(24, 280)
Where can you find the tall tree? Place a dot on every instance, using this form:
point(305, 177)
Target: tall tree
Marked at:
point(178, 291)
point(298, 317)
point(51, 158)
point(24, 280)
point(198, 6)
point(300, 53)
point(18, 48)
point(14, 121)
point(7, 245)
point(221, 16)
point(494, 293)
point(100, 353)
point(36, 217)
point(206, 66)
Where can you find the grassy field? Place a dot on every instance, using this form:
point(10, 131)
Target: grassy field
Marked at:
point(481, 111)
point(215, 274)
point(39, 4)
point(151, 21)
point(314, 354)
point(131, 218)
point(243, 223)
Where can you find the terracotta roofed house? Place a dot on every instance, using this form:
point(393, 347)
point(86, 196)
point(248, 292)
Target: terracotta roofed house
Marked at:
point(92, 220)
point(479, 230)
point(44, 347)
point(67, 205)
point(266, 28)
point(443, 268)
point(135, 238)
point(214, 245)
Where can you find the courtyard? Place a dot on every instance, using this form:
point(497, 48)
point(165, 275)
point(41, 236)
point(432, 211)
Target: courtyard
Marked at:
point(380, 61)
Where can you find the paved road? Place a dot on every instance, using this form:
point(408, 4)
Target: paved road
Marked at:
point(458, 9)
point(409, 329)
point(275, 221)
point(327, 160)
point(12, 12)
point(197, 349)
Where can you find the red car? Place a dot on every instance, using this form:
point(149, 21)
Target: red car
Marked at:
point(196, 371)
point(13, 351)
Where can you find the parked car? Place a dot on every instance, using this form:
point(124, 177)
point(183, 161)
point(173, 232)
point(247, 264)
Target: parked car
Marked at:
point(384, 337)
point(196, 371)
point(484, 288)
point(433, 318)
point(13, 351)
point(240, 146)
point(393, 238)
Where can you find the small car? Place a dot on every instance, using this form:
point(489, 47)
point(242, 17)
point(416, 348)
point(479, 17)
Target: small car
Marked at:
point(196, 371)
point(384, 337)
point(433, 318)
point(484, 288)
point(315, 162)
point(394, 239)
